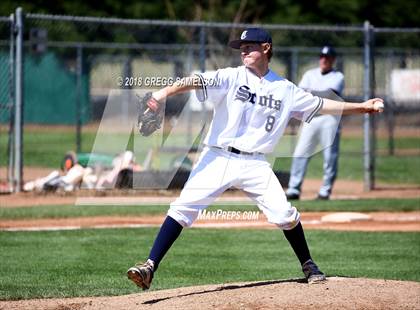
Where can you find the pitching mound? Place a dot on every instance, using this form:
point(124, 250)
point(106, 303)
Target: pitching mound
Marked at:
point(336, 293)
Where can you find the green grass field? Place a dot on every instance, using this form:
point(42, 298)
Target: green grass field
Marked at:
point(93, 262)
point(46, 148)
point(68, 211)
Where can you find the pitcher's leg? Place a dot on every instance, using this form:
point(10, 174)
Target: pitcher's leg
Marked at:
point(198, 193)
point(261, 184)
point(142, 273)
point(168, 233)
point(297, 241)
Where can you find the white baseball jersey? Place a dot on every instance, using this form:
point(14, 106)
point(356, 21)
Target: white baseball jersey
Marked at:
point(251, 113)
point(314, 80)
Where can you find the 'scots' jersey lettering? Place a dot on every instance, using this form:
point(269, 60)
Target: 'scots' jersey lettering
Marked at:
point(244, 94)
point(251, 113)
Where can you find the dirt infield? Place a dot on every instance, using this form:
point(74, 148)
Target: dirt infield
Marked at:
point(343, 189)
point(336, 293)
point(378, 221)
point(381, 221)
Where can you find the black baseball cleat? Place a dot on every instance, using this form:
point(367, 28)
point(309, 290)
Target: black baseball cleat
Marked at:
point(322, 197)
point(312, 273)
point(142, 274)
point(292, 196)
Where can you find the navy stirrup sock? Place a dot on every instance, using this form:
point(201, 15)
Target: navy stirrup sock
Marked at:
point(296, 238)
point(169, 232)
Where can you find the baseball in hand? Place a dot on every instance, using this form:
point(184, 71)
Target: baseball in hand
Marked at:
point(378, 106)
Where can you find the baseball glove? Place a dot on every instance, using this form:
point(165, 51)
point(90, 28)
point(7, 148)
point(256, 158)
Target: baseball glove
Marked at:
point(151, 115)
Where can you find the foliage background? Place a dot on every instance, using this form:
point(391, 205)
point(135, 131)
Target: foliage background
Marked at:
point(381, 13)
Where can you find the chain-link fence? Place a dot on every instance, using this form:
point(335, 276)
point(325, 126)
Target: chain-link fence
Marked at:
point(6, 103)
point(73, 66)
point(397, 80)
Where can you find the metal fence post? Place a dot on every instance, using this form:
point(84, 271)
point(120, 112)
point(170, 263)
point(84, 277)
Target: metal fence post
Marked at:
point(127, 74)
point(203, 65)
point(10, 144)
point(294, 66)
point(188, 111)
point(202, 49)
point(18, 132)
point(79, 63)
point(368, 162)
point(293, 75)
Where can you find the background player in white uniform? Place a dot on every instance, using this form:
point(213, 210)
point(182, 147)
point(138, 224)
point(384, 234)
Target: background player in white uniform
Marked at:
point(252, 106)
point(323, 129)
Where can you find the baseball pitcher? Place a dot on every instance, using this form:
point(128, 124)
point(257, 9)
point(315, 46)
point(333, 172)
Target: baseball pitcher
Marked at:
point(252, 106)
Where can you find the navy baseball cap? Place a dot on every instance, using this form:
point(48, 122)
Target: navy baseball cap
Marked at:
point(251, 35)
point(328, 51)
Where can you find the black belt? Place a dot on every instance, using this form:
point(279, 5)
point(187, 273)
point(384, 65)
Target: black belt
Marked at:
point(236, 151)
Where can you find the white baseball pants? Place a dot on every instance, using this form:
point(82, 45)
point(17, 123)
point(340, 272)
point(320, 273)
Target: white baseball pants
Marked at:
point(217, 170)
